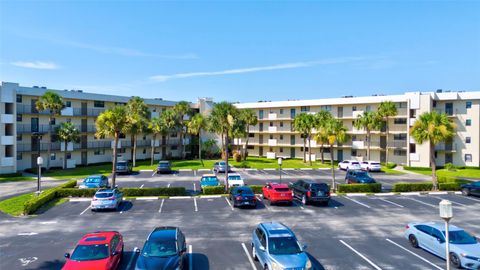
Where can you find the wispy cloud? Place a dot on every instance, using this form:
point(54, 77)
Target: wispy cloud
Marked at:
point(341, 60)
point(36, 64)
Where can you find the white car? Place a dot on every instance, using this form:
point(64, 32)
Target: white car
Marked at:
point(464, 248)
point(349, 165)
point(371, 166)
point(235, 180)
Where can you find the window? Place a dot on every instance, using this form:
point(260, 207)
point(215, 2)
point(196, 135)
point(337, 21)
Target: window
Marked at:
point(281, 124)
point(400, 121)
point(53, 121)
point(270, 149)
point(368, 108)
point(281, 149)
point(281, 111)
point(98, 104)
point(251, 147)
point(305, 108)
point(122, 136)
point(354, 108)
point(281, 137)
point(69, 120)
point(121, 150)
point(271, 137)
point(292, 113)
point(354, 152)
point(468, 104)
point(19, 138)
point(271, 124)
point(400, 137)
point(413, 113)
point(437, 234)
point(260, 127)
point(251, 135)
point(69, 155)
point(144, 151)
point(327, 108)
point(19, 156)
point(19, 118)
point(401, 105)
point(468, 122)
point(398, 152)
point(53, 156)
point(99, 152)
point(68, 104)
point(19, 98)
point(468, 157)
point(434, 103)
point(413, 148)
point(468, 139)
point(144, 137)
point(260, 114)
point(174, 147)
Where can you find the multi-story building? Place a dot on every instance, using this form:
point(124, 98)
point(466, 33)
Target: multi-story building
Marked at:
point(274, 136)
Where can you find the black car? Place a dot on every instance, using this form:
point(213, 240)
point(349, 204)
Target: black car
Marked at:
point(243, 196)
point(358, 177)
point(164, 166)
point(165, 248)
point(471, 189)
point(309, 191)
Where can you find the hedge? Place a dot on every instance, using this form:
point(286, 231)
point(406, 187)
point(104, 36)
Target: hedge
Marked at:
point(32, 205)
point(76, 192)
point(449, 186)
point(407, 187)
point(390, 165)
point(359, 188)
point(214, 190)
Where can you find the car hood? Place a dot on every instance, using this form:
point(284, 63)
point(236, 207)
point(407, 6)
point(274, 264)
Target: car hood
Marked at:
point(470, 250)
point(209, 183)
point(79, 265)
point(157, 263)
point(291, 261)
point(235, 181)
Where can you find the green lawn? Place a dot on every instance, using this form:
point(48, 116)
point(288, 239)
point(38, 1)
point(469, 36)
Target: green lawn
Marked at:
point(390, 171)
point(4, 179)
point(80, 172)
point(14, 206)
point(469, 173)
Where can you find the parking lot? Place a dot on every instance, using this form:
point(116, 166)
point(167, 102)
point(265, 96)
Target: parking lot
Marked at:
point(359, 232)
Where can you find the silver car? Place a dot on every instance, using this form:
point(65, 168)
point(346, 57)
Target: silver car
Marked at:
point(275, 246)
point(106, 199)
point(221, 167)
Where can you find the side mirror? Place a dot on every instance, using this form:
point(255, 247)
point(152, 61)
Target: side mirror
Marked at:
point(67, 255)
point(136, 250)
point(440, 240)
point(304, 247)
point(114, 253)
point(262, 248)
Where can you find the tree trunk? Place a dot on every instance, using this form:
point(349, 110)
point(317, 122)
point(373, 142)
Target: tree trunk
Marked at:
point(434, 167)
point(226, 162)
point(167, 142)
point(309, 151)
point(245, 154)
point(321, 153)
point(65, 156)
point(368, 144)
point(152, 155)
point(114, 165)
point(134, 157)
point(132, 151)
point(334, 185)
point(304, 152)
point(386, 142)
point(49, 143)
point(200, 146)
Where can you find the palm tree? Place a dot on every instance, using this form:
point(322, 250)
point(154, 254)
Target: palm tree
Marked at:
point(305, 123)
point(110, 124)
point(368, 121)
point(67, 132)
point(157, 127)
point(322, 118)
point(386, 110)
point(53, 103)
point(336, 132)
point(251, 119)
point(434, 128)
point(137, 117)
point(170, 121)
point(182, 109)
point(195, 127)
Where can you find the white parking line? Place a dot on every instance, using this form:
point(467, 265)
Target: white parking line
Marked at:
point(390, 202)
point(194, 188)
point(266, 207)
point(453, 202)
point(168, 185)
point(161, 206)
point(195, 202)
point(357, 202)
point(424, 203)
point(190, 257)
point(471, 199)
point(228, 201)
point(134, 254)
point(360, 254)
point(284, 172)
point(83, 212)
point(195, 173)
point(153, 174)
point(248, 256)
point(421, 258)
point(142, 185)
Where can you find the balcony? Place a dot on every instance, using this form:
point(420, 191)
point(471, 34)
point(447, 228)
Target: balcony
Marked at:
point(398, 144)
point(67, 111)
point(69, 147)
point(28, 128)
point(411, 121)
point(6, 118)
point(272, 129)
point(144, 143)
point(99, 145)
point(29, 109)
point(7, 162)
point(28, 147)
point(355, 114)
point(88, 128)
point(358, 144)
point(7, 140)
point(272, 116)
point(272, 142)
point(448, 147)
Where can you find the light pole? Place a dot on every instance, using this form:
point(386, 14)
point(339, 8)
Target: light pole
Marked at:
point(39, 176)
point(280, 166)
point(446, 213)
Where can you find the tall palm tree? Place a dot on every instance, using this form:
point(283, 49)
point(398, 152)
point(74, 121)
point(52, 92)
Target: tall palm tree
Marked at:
point(434, 128)
point(386, 110)
point(170, 121)
point(182, 109)
point(251, 119)
point(157, 127)
point(53, 103)
point(137, 117)
point(110, 124)
point(305, 123)
point(67, 132)
point(322, 118)
point(321, 138)
point(336, 132)
point(368, 121)
point(195, 127)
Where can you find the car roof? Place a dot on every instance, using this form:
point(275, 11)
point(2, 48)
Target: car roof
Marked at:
point(164, 161)
point(165, 232)
point(94, 176)
point(234, 174)
point(209, 175)
point(97, 238)
point(277, 185)
point(105, 190)
point(276, 229)
point(439, 226)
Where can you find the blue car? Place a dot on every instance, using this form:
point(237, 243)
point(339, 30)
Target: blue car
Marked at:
point(95, 181)
point(165, 248)
point(209, 180)
point(358, 177)
point(275, 246)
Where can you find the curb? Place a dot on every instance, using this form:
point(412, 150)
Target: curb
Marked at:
point(210, 196)
point(204, 170)
point(185, 170)
point(146, 170)
point(288, 169)
point(181, 197)
point(306, 169)
point(145, 198)
point(79, 199)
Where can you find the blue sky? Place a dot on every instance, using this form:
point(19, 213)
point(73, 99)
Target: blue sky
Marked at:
point(242, 50)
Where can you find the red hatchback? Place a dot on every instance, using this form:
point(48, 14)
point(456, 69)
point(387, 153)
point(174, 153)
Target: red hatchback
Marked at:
point(277, 193)
point(99, 250)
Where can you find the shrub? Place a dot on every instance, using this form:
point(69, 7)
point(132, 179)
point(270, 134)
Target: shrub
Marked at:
point(417, 168)
point(450, 167)
point(244, 164)
point(237, 156)
point(390, 165)
point(360, 188)
point(7, 175)
point(69, 184)
point(449, 186)
point(257, 189)
point(407, 187)
point(76, 192)
point(32, 205)
point(214, 190)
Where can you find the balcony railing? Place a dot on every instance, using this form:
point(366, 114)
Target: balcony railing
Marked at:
point(28, 147)
point(398, 144)
point(29, 109)
point(446, 147)
point(28, 128)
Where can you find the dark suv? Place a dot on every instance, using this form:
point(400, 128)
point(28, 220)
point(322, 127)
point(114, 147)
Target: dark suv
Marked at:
point(309, 191)
point(164, 166)
point(358, 177)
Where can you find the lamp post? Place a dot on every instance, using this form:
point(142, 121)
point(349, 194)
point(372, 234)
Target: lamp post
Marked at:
point(280, 168)
point(39, 176)
point(446, 214)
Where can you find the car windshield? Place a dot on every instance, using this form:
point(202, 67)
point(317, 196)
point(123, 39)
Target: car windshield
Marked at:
point(283, 246)
point(460, 238)
point(363, 175)
point(165, 248)
point(209, 179)
point(281, 189)
point(92, 180)
point(121, 163)
point(234, 177)
point(319, 186)
point(221, 163)
point(90, 252)
point(243, 192)
point(163, 164)
point(355, 163)
point(104, 194)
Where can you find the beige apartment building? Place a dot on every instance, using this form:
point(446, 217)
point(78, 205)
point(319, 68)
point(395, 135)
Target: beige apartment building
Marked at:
point(274, 136)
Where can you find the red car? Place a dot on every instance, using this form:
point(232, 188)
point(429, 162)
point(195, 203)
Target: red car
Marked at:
point(99, 250)
point(277, 193)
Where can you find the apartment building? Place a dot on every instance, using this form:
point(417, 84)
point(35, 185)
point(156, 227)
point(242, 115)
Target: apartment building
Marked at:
point(274, 136)
point(22, 126)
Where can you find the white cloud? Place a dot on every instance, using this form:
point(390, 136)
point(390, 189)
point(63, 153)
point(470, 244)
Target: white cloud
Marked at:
point(163, 78)
point(36, 64)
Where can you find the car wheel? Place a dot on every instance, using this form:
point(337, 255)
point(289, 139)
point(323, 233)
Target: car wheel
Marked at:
point(455, 261)
point(413, 241)
point(254, 253)
point(265, 267)
point(304, 200)
point(270, 202)
point(465, 192)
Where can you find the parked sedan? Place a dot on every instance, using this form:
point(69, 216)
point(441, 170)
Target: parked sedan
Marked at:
point(100, 250)
point(277, 193)
point(106, 199)
point(164, 166)
point(309, 191)
point(165, 248)
point(349, 165)
point(471, 189)
point(95, 181)
point(221, 167)
point(243, 196)
point(235, 180)
point(464, 248)
point(358, 177)
point(124, 167)
point(371, 166)
point(209, 180)
point(275, 246)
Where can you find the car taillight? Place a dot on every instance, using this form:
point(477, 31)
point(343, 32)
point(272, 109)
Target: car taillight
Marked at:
point(254, 199)
point(328, 193)
point(94, 199)
point(111, 198)
point(407, 227)
point(309, 193)
point(238, 198)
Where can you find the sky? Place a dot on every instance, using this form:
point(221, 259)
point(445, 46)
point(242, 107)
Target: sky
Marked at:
point(241, 51)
